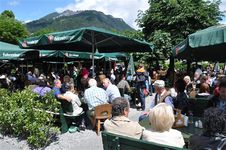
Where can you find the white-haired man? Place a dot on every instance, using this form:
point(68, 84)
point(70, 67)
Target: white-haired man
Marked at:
point(111, 89)
point(94, 96)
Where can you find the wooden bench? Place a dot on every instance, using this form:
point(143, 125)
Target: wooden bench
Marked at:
point(117, 142)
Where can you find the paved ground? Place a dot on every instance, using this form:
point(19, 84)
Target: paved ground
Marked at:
point(84, 140)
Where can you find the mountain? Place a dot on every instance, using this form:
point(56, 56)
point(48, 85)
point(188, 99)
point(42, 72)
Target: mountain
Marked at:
point(69, 20)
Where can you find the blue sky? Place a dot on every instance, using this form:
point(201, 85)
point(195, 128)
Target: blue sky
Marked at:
point(27, 10)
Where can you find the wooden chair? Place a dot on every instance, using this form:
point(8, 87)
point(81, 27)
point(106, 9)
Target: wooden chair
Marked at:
point(101, 113)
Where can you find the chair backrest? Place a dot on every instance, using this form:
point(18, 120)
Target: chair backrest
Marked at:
point(103, 111)
point(66, 106)
point(198, 105)
point(117, 142)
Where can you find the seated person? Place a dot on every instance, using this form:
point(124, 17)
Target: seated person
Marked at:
point(161, 119)
point(69, 87)
point(120, 123)
point(219, 100)
point(111, 89)
point(42, 87)
point(188, 87)
point(66, 80)
point(181, 100)
point(93, 97)
point(204, 91)
point(123, 86)
point(162, 95)
point(213, 126)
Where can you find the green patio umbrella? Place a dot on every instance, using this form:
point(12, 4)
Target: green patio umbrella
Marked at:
point(10, 51)
point(131, 68)
point(208, 44)
point(87, 39)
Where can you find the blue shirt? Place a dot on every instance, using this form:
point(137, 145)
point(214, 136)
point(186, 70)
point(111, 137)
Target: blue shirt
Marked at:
point(112, 92)
point(56, 92)
point(41, 90)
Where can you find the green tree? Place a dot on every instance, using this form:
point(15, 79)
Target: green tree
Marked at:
point(10, 28)
point(173, 20)
point(8, 13)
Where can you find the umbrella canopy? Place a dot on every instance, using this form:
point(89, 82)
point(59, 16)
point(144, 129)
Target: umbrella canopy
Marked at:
point(208, 44)
point(11, 51)
point(86, 39)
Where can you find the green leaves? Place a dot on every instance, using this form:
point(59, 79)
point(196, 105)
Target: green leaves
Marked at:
point(177, 19)
point(10, 28)
point(19, 116)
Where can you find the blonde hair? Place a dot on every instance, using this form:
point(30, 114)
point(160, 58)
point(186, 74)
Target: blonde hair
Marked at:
point(161, 117)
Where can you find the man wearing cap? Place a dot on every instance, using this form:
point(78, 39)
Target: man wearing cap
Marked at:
point(162, 95)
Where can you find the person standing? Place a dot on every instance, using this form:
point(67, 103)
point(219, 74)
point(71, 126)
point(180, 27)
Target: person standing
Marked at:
point(141, 78)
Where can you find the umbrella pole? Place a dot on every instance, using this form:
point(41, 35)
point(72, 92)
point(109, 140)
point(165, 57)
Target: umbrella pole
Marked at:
point(93, 46)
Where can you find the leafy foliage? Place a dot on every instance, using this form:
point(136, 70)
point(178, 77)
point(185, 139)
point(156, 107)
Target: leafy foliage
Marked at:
point(19, 116)
point(10, 28)
point(176, 19)
point(8, 13)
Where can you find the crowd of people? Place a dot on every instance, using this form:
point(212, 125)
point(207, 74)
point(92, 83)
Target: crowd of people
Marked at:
point(84, 92)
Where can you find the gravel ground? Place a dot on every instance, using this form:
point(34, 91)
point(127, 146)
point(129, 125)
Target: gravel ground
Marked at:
point(84, 140)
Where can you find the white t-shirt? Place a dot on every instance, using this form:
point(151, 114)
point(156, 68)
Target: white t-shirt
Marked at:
point(75, 102)
point(171, 138)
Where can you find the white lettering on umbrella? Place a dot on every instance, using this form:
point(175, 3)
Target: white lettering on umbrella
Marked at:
point(62, 38)
point(32, 42)
point(10, 54)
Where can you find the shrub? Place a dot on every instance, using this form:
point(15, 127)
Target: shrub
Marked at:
point(19, 116)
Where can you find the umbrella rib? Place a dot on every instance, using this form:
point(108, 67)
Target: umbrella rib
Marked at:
point(110, 38)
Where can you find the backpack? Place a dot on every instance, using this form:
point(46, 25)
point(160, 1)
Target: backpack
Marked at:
point(141, 77)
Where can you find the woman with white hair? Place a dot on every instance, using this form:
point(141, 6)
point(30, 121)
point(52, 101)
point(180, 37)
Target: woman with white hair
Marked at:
point(161, 119)
point(189, 86)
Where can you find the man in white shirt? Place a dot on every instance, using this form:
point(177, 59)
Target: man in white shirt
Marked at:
point(94, 96)
point(111, 89)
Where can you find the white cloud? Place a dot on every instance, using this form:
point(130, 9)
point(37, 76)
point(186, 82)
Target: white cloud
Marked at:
point(223, 5)
point(125, 9)
point(13, 3)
